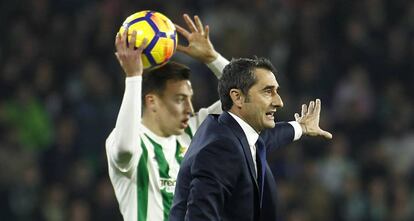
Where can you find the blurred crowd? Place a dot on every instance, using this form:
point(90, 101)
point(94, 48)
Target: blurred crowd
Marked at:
point(61, 88)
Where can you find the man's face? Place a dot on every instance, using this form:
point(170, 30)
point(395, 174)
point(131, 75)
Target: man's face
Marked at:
point(174, 107)
point(262, 101)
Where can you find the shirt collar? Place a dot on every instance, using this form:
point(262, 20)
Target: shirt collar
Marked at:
point(163, 141)
point(248, 130)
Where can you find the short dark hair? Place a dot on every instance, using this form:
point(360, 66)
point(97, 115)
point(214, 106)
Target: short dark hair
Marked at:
point(239, 74)
point(155, 80)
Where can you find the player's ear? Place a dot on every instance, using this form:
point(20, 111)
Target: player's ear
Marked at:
point(151, 102)
point(237, 97)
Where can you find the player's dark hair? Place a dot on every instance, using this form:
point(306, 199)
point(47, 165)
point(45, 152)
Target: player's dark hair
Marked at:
point(239, 74)
point(155, 80)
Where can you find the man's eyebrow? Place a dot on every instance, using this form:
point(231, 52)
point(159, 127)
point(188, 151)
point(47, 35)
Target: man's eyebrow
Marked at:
point(271, 87)
point(183, 95)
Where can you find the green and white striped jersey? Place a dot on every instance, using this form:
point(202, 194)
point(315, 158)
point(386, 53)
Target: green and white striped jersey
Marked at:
point(145, 184)
point(145, 190)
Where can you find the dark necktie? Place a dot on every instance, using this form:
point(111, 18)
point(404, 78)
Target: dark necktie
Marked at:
point(261, 165)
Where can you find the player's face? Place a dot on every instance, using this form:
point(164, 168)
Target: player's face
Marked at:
point(175, 107)
point(262, 101)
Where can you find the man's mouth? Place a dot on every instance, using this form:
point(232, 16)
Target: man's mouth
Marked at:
point(184, 123)
point(271, 115)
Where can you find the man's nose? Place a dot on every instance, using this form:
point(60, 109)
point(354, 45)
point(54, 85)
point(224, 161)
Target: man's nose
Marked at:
point(277, 101)
point(189, 108)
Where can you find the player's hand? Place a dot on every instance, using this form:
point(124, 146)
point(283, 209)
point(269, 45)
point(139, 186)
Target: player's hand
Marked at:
point(309, 120)
point(199, 44)
point(129, 57)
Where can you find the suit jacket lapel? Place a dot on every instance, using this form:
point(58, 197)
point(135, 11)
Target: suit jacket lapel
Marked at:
point(229, 121)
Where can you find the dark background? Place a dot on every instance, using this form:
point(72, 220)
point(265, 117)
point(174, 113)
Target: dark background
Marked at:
point(61, 88)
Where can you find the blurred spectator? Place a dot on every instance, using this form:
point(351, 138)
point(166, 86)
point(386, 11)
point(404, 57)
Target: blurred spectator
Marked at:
point(54, 203)
point(353, 203)
point(336, 166)
point(378, 208)
point(30, 119)
point(24, 198)
point(59, 159)
point(79, 210)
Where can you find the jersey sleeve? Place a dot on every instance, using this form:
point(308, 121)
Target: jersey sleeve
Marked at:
point(215, 108)
point(122, 145)
point(218, 65)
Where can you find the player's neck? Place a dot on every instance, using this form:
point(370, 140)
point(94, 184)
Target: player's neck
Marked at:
point(153, 125)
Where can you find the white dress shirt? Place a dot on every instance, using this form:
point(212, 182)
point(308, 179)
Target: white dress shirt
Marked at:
point(252, 135)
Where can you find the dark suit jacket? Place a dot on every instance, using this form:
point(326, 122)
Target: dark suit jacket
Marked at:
point(217, 179)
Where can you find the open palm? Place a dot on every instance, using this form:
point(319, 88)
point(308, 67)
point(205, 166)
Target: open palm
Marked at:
point(199, 44)
point(309, 120)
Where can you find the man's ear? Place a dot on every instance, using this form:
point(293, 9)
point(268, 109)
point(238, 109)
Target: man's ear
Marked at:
point(237, 97)
point(151, 102)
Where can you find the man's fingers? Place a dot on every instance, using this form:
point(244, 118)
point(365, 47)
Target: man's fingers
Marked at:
point(304, 109)
point(143, 44)
point(199, 25)
point(118, 42)
point(133, 39)
point(207, 32)
point(190, 23)
point(326, 134)
point(124, 39)
point(182, 48)
point(318, 106)
point(297, 116)
point(182, 31)
point(311, 107)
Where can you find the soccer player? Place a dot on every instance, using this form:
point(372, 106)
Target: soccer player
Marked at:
point(155, 124)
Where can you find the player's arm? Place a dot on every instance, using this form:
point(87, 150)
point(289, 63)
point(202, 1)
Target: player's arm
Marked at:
point(200, 48)
point(306, 124)
point(122, 144)
point(199, 45)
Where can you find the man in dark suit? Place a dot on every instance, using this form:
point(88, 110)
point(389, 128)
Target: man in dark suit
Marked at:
point(224, 174)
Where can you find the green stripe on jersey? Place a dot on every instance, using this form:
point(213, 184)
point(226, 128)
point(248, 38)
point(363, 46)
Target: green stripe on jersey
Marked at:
point(142, 184)
point(159, 156)
point(189, 132)
point(178, 154)
point(163, 170)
